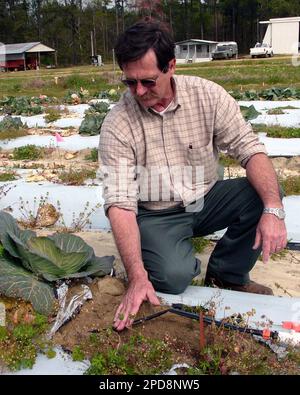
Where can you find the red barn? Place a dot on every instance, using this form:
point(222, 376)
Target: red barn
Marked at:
point(24, 56)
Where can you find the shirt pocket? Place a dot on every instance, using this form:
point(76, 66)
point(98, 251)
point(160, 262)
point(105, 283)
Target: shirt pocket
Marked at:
point(202, 158)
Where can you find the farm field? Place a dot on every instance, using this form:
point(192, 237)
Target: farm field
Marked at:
point(49, 157)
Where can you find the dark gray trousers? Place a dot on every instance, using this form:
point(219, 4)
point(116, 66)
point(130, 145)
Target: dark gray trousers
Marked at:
point(167, 250)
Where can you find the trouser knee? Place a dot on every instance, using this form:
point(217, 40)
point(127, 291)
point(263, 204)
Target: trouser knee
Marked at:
point(174, 280)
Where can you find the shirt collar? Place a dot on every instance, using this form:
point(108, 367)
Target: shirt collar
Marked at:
point(177, 99)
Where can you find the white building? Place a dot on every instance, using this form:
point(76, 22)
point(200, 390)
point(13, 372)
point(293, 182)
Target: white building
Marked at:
point(283, 35)
point(194, 50)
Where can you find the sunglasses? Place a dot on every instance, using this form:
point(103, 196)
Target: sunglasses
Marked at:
point(146, 82)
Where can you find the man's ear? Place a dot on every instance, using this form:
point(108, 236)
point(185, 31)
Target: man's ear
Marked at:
point(172, 65)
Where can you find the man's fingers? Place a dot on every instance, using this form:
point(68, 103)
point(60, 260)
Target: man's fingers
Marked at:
point(266, 251)
point(257, 241)
point(153, 299)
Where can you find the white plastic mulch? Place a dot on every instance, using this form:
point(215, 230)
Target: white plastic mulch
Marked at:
point(75, 142)
point(274, 146)
point(61, 364)
point(73, 199)
point(263, 307)
point(290, 118)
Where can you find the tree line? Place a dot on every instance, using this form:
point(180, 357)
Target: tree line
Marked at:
point(73, 27)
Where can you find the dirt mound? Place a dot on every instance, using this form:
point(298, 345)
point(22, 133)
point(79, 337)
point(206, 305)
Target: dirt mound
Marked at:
point(96, 316)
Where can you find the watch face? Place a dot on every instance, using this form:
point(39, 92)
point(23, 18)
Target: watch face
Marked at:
point(281, 213)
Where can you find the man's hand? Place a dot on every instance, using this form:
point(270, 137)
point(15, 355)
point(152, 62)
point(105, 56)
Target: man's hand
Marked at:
point(271, 234)
point(139, 290)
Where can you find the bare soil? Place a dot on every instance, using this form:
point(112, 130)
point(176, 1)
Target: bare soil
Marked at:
point(97, 315)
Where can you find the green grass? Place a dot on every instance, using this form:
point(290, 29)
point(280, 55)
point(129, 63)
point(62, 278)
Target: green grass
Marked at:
point(241, 74)
point(247, 74)
point(200, 243)
point(20, 83)
point(277, 131)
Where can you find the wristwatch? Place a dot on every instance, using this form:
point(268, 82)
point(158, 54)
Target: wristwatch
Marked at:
point(279, 212)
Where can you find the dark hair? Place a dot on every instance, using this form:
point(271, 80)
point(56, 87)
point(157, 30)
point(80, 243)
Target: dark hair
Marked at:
point(133, 44)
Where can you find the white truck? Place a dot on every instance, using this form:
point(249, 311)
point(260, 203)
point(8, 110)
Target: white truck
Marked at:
point(261, 50)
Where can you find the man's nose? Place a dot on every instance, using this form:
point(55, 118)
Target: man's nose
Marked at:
point(140, 89)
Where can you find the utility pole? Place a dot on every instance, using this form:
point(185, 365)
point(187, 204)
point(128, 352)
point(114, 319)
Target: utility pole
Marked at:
point(114, 63)
point(92, 43)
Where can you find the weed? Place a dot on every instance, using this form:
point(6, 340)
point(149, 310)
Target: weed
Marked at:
point(22, 338)
point(228, 161)
point(197, 282)
point(76, 177)
point(275, 111)
point(232, 352)
point(4, 189)
point(10, 134)
point(139, 355)
point(93, 155)
point(277, 131)
point(81, 221)
point(30, 151)
point(283, 289)
point(77, 354)
point(7, 176)
point(276, 255)
point(30, 217)
point(3, 333)
point(1, 250)
point(200, 243)
point(53, 114)
point(50, 353)
point(286, 108)
point(291, 185)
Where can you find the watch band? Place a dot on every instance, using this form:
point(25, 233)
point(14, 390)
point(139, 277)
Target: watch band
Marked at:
point(278, 212)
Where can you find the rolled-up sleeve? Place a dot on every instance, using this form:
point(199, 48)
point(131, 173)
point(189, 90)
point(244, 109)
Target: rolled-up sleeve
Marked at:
point(117, 169)
point(232, 133)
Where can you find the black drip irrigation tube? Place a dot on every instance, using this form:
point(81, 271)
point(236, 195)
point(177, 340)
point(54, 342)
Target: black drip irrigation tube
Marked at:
point(178, 310)
point(293, 246)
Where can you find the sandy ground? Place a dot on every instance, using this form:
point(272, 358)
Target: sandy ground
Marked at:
point(281, 274)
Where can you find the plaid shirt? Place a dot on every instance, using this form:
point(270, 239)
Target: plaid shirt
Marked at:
point(202, 120)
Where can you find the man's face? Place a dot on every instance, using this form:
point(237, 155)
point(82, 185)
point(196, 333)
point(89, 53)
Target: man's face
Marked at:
point(146, 68)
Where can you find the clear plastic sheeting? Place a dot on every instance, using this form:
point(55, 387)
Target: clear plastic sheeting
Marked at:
point(65, 313)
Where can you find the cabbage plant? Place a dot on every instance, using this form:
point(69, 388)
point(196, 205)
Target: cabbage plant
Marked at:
point(30, 265)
